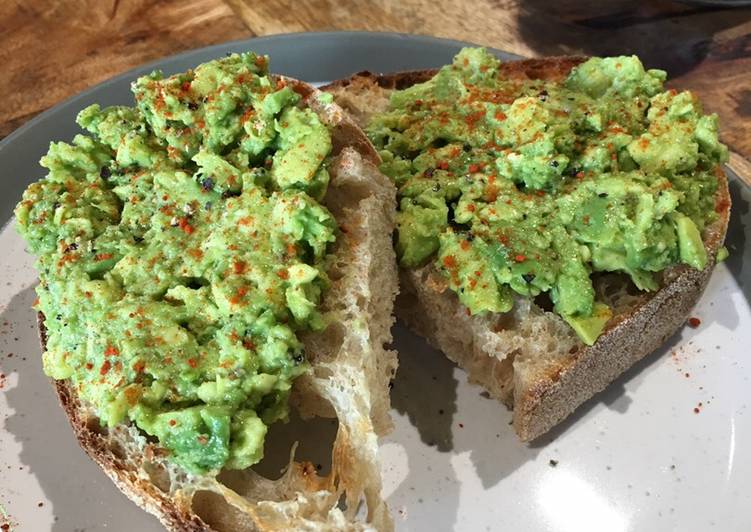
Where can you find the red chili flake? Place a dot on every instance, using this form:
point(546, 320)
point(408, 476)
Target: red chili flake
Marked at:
point(172, 422)
point(202, 439)
point(472, 119)
point(238, 267)
point(580, 175)
point(449, 261)
point(260, 61)
point(696, 410)
point(239, 294)
point(465, 245)
point(192, 362)
point(35, 303)
point(139, 366)
point(89, 365)
point(280, 84)
point(520, 258)
point(248, 344)
point(185, 226)
point(474, 168)
point(105, 368)
point(292, 249)
point(471, 207)
point(111, 351)
point(195, 253)
point(185, 87)
point(500, 115)
point(103, 256)
point(540, 193)
point(472, 283)
point(418, 102)
point(586, 220)
point(443, 165)
point(491, 193)
point(694, 322)
point(88, 294)
point(455, 152)
point(283, 274)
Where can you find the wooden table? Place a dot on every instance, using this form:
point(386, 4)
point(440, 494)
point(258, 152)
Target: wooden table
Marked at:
point(51, 49)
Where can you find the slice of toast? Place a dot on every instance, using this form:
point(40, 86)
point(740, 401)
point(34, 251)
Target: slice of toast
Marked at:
point(349, 380)
point(530, 358)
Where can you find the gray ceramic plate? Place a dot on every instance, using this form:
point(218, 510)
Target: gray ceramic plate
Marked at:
point(636, 457)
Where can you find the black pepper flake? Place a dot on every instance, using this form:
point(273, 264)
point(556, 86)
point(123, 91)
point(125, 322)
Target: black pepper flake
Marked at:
point(554, 163)
point(436, 187)
point(105, 172)
point(207, 206)
point(528, 277)
point(207, 183)
point(71, 247)
point(429, 172)
point(55, 205)
point(603, 194)
point(543, 95)
point(553, 463)
point(470, 236)
point(298, 358)
point(192, 106)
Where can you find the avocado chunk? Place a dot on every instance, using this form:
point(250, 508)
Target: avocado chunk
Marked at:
point(419, 222)
point(589, 328)
point(722, 254)
point(692, 250)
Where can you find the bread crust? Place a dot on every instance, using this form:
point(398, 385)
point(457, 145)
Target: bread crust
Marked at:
point(540, 399)
point(300, 499)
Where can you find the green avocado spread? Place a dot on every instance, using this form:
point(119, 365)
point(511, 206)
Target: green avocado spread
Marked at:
point(518, 186)
point(181, 248)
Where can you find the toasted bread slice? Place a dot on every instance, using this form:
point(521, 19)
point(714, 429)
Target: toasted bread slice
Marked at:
point(530, 358)
point(349, 380)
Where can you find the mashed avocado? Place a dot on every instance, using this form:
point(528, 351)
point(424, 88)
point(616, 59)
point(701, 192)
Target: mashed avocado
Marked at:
point(181, 248)
point(528, 187)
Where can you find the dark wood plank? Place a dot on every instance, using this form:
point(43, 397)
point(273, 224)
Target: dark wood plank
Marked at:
point(52, 49)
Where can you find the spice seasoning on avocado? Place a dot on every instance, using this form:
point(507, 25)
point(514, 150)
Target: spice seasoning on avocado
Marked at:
point(188, 209)
point(565, 178)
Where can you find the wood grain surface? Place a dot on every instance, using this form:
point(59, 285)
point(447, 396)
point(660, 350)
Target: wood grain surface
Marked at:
point(51, 49)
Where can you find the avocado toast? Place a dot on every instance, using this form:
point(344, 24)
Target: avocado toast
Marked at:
point(558, 217)
point(206, 258)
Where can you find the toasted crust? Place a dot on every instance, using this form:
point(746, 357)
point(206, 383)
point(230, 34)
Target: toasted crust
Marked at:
point(529, 358)
point(349, 380)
